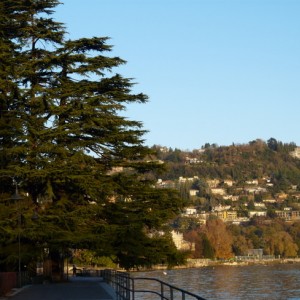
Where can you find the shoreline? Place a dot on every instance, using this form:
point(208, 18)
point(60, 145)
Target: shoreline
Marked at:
point(201, 263)
point(245, 262)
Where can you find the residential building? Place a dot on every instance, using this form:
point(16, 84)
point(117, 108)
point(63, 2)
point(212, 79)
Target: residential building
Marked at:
point(212, 183)
point(203, 216)
point(228, 182)
point(221, 207)
point(190, 179)
point(194, 192)
point(269, 200)
point(252, 182)
point(257, 213)
point(218, 191)
point(226, 215)
point(260, 205)
point(257, 189)
point(191, 160)
point(288, 215)
point(296, 152)
point(180, 243)
point(190, 211)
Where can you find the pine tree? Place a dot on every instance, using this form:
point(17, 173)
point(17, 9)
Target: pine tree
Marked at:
point(81, 165)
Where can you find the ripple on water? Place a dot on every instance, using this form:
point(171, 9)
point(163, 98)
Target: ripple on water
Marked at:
point(280, 281)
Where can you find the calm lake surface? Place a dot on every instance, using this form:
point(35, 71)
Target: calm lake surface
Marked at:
point(280, 281)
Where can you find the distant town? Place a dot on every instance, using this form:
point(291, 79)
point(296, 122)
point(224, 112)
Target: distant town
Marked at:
point(250, 190)
point(255, 183)
point(256, 195)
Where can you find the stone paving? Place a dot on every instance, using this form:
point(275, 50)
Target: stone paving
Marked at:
point(77, 288)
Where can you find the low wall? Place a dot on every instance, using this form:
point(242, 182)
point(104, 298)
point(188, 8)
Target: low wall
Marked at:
point(198, 263)
point(8, 281)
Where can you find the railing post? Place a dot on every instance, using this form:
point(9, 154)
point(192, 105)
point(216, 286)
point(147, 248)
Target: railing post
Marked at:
point(125, 287)
point(117, 284)
point(128, 287)
point(122, 280)
point(171, 293)
point(133, 289)
point(161, 290)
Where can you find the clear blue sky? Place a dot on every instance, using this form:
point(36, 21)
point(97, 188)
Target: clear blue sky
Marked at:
point(215, 71)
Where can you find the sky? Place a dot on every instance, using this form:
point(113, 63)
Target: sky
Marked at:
point(215, 71)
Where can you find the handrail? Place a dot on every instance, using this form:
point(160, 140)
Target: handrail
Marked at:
point(126, 287)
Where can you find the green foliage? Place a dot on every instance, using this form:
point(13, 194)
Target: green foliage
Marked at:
point(84, 257)
point(208, 249)
point(78, 161)
point(239, 162)
point(183, 224)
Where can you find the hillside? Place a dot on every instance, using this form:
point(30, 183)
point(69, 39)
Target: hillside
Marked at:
point(238, 175)
point(239, 198)
point(255, 160)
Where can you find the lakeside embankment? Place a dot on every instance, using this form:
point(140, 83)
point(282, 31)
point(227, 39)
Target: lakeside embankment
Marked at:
point(252, 261)
point(198, 263)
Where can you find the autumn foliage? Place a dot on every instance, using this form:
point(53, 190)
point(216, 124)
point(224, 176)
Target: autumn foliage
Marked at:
point(217, 239)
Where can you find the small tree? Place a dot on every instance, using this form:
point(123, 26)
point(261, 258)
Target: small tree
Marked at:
point(219, 237)
point(207, 248)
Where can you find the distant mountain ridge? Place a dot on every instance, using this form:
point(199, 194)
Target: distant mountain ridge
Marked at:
point(258, 159)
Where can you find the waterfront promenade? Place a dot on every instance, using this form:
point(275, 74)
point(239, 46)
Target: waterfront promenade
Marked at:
point(77, 288)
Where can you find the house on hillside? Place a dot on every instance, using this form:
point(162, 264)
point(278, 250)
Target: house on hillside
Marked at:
point(257, 189)
point(260, 205)
point(213, 183)
point(228, 182)
point(281, 197)
point(190, 179)
point(226, 215)
point(203, 216)
point(231, 197)
point(288, 215)
point(221, 207)
point(191, 160)
point(218, 191)
point(257, 213)
point(180, 243)
point(294, 187)
point(252, 182)
point(296, 152)
point(269, 200)
point(190, 211)
point(194, 192)
point(169, 184)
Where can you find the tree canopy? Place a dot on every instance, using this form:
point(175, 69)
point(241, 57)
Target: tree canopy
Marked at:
point(80, 165)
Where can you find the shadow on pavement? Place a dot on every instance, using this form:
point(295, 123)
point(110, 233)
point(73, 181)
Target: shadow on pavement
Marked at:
point(77, 288)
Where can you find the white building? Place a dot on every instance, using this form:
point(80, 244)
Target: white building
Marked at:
point(257, 213)
point(180, 243)
point(218, 191)
point(194, 192)
point(190, 211)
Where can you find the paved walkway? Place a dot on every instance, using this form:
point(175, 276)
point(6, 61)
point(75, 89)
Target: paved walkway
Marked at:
point(78, 288)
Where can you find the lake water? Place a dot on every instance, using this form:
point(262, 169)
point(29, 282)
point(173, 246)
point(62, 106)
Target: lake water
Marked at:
point(280, 281)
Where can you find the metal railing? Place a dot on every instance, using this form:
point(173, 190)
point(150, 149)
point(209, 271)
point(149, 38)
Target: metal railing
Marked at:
point(127, 287)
